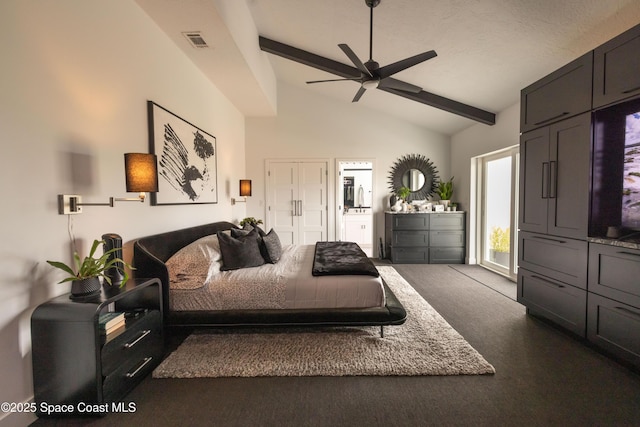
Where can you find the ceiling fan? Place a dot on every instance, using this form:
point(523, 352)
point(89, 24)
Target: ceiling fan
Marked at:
point(370, 75)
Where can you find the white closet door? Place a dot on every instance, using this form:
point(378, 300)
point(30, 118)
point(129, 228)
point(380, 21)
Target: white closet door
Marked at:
point(297, 201)
point(313, 199)
point(283, 194)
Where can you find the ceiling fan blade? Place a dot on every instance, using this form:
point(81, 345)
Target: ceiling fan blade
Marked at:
point(359, 94)
point(334, 80)
point(399, 85)
point(347, 71)
point(391, 69)
point(447, 104)
point(354, 58)
point(308, 58)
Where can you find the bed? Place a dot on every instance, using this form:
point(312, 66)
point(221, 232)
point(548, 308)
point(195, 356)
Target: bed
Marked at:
point(152, 254)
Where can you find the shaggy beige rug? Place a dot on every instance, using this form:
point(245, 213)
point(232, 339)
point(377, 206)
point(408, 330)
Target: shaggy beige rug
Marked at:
point(424, 345)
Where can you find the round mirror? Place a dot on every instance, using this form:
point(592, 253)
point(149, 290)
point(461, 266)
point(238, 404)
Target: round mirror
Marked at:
point(413, 179)
point(417, 173)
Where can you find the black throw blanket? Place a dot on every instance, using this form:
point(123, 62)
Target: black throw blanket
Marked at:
point(341, 258)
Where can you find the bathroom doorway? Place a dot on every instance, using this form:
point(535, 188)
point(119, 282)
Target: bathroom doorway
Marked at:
point(354, 202)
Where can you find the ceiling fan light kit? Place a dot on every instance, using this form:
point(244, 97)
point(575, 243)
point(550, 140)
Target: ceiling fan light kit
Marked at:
point(370, 75)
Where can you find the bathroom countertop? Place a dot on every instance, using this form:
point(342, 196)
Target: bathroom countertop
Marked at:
point(421, 212)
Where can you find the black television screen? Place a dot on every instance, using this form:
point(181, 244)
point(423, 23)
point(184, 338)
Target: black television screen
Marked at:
point(631, 173)
point(615, 185)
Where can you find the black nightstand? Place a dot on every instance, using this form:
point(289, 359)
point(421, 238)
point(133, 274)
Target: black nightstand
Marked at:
point(75, 364)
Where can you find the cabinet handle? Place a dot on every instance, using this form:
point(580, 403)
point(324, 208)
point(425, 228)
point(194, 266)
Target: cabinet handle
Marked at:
point(545, 180)
point(535, 276)
point(549, 238)
point(631, 90)
point(629, 253)
point(144, 363)
point(553, 179)
point(626, 310)
point(564, 113)
point(137, 340)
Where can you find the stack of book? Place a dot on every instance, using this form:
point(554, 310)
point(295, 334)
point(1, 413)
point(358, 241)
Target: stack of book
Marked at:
point(111, 324)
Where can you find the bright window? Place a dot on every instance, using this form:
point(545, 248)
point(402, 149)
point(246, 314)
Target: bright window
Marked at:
point(498, 182)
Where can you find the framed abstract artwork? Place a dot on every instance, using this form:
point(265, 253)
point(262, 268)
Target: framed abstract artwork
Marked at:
point(187, 170)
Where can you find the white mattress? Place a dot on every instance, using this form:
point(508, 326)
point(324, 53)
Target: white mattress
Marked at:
point(287, 284)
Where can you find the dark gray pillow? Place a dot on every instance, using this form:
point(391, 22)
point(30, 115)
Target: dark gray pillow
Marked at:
point(241, 251)
point(272, 246)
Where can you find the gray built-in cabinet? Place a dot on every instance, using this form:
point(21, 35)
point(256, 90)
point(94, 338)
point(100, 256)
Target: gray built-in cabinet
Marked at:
point(425, 238)
point(616, 65)
point(581, 283)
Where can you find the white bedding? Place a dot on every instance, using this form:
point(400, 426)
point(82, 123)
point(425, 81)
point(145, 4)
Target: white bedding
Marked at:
point(286, 284)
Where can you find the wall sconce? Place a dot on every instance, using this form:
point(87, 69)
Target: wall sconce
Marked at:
point(245, 191)
point(141, 175)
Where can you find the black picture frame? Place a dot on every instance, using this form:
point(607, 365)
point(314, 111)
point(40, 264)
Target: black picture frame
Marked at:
point(187, 159)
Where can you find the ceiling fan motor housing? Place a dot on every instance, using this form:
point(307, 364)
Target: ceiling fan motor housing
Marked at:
point(371, 65)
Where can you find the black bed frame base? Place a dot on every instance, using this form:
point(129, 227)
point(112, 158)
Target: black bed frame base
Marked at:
point(150, 254)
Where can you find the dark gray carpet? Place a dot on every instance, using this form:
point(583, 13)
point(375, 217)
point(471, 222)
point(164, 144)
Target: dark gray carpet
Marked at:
point(543, 378)
point(424, 345)
point(488, 278)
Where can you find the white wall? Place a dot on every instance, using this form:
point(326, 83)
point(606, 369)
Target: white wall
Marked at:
point(312, 126)
point(74, 82)
point(475, 141)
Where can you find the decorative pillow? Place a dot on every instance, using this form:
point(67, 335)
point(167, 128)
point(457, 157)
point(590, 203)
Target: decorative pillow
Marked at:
point(192, 266)
point(240, 232)
point(241, 251)
point(272, 245)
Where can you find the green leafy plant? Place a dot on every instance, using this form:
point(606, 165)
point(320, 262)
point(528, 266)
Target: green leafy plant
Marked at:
point(499, 239)
point(250, 221)
point(445, 189)
point(92, 267)
point(403, 193)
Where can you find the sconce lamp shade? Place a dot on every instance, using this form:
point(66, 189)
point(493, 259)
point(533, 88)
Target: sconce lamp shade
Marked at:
point(245, 187)
point(141, 172)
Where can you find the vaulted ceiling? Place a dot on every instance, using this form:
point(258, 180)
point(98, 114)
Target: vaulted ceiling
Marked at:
point(487, 49)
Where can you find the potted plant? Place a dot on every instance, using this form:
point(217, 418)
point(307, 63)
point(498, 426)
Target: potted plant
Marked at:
point(85, 274)
point(499, 245)
point(403, 193)
point(250, 221)
point(445, 190)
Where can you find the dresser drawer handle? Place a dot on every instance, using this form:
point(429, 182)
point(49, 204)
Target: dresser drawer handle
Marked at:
point(626, 310)
point(564, 113)
point(535, 276)
point(144, 363)
point(137, 340)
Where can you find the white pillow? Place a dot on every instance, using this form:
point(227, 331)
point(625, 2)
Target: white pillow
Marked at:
point(194, 265)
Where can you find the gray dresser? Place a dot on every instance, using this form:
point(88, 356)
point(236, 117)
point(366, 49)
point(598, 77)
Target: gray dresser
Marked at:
point(425, 238)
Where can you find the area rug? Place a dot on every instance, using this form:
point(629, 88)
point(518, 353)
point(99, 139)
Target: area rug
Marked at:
point(424, 345)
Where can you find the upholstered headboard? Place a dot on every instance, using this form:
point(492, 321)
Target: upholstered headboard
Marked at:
point(150, 253)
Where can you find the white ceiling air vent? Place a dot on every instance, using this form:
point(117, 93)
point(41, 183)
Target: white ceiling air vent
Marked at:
point(196, 40)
